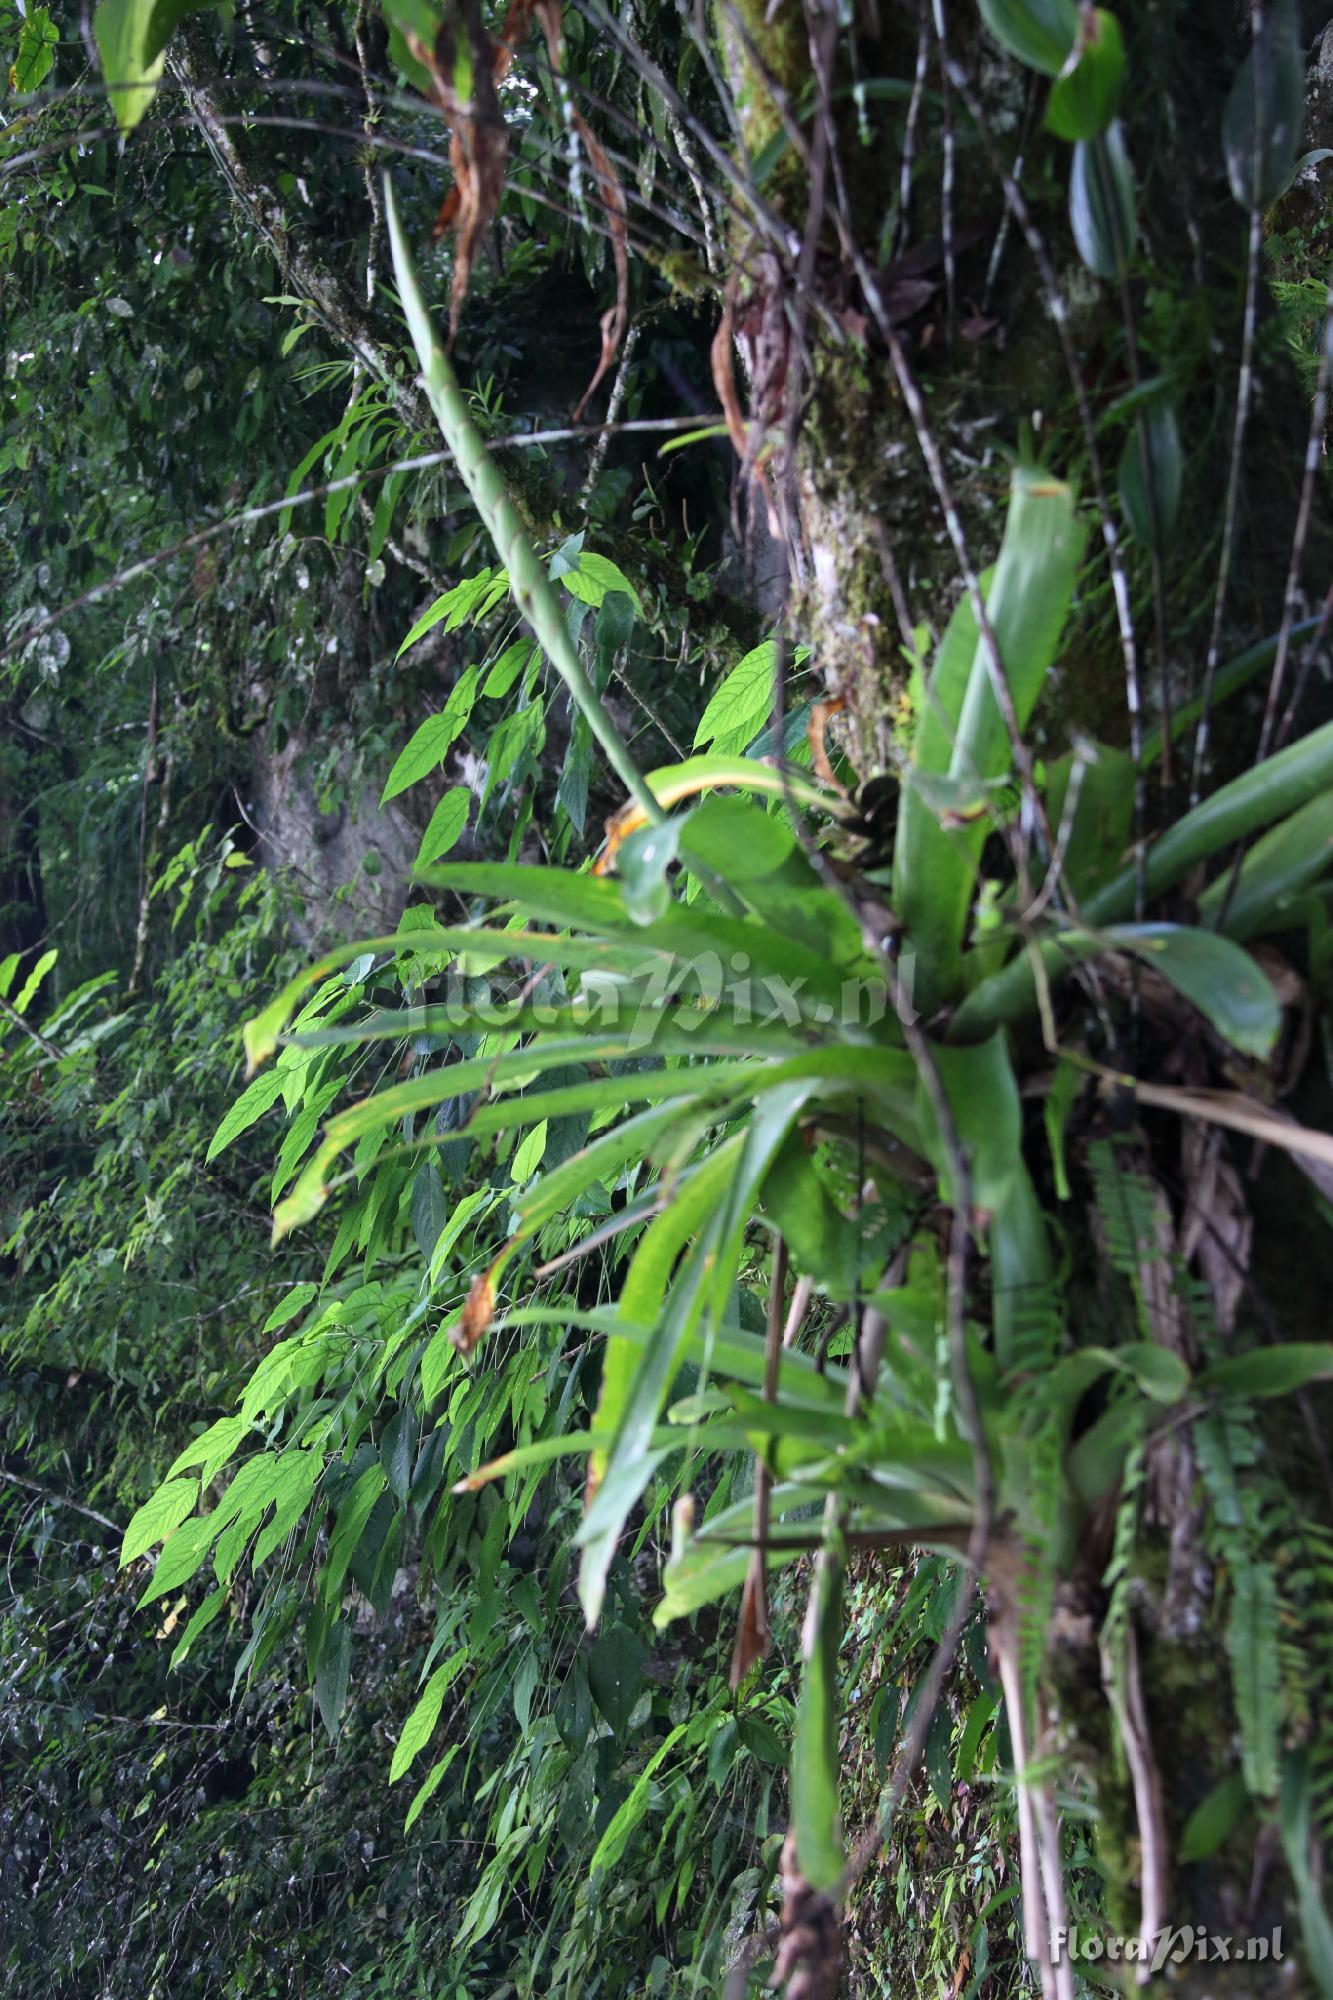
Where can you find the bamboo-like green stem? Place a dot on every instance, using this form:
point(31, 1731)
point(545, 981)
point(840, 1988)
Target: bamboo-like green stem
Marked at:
point(528, 581)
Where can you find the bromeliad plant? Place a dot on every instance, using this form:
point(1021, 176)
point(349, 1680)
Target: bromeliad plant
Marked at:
point(744, 1121)
point(745, 1075)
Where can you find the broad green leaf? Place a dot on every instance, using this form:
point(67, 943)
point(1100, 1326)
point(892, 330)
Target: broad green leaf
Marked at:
point(431, 1785)
point(211, 1449)
point(1084, 100)
point(132, 37)
point(1151, 468)
point(1213, 1818)
point(181, 1557)
point(162, 1512)
point(594, 577)
point(1278, 786)
point(1215, 975)
point(297, 1299)
point(642, 862)
point(815, 1762)
point(1039, 32)
point(1265, 110)
point(1103, 813)
point(1270, 1371)
point(331, 1672)
point(432, 742)
point(960, 733)
point(454, 606)
point(38, 39)
point(447, 823)
point(28, 991)
point(615, 1674)
point(634, 1387)
point(420, 1724)
point(1101, 203)
point(294, 1483)
point(1289, 859)
point(353, 1515)
point(740, 706)
point(823, 1241)
point(528, 1154)
point(982, 1093)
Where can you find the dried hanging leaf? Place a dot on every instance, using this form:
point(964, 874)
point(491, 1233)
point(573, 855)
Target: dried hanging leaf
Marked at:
point(479, 1311)
point(754, 1635)
point(478, 137)
point(820, 714)
point(616, 317)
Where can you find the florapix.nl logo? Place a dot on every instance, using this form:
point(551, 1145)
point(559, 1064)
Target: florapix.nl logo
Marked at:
point(1173, 1944)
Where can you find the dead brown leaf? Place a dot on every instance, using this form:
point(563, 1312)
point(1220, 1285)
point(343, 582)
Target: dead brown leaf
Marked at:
point(754, 1636)
point(477, 1314)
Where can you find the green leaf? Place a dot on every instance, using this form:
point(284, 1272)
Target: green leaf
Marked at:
point(740, 706)
point(454, 606)
point(1289, 859)
point(430, 1208)
point(594, 577)
point(1311, 1903)
point(211, 1449)
point(160, 1514)
point(1214, 975)
point(297, 1299)
point(1278, 786)
point(420, 1724)
point(259, 1096)
point(960, 732)
point(528, 1156)
point(132, 37)
point(1251, 1638)
point(432, 742)
point(631, 1811)
point(615, 1674)
point(982, 1094)
point(353, 1515)
point(38, 39)
point(1265, 111)
point(1039, 32)
point(634, 1387)
point(1270, 1371)
point(331, 1672)
point(432, 1784)
point(28, 991)
point(446, 826)
point(1085, 99)
point(1101, 203)
point(203, 1615)
point(508, 667)
point(814, 1750)
point(1212, 1819)
point(181, 1557)
point(642, 862)
point(1150, 476)
point(823, 1241)
point(1103, 812)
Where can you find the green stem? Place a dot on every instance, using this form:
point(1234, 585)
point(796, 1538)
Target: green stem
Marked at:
point(528, 581)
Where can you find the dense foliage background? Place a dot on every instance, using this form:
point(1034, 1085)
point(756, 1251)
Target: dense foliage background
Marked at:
point(582, 1484)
